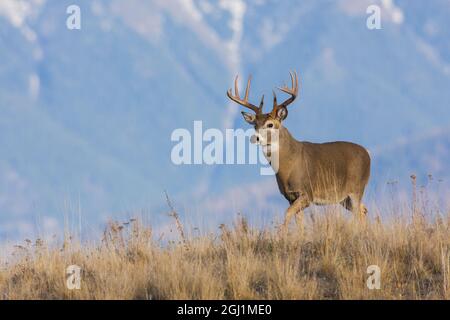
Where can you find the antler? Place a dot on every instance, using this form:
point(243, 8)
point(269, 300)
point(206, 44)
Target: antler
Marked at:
point(236, 98)
point(293, 91)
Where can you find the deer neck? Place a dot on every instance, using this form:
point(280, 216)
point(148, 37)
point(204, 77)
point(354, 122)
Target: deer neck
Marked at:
point(288, 147)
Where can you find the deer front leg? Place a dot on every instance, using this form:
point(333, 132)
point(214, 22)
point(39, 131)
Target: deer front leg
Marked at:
point(296, 207)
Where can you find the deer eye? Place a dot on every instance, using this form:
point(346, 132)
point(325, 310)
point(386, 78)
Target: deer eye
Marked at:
point(270, 125)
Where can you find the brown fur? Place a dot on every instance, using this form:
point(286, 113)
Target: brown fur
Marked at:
point(321, 173)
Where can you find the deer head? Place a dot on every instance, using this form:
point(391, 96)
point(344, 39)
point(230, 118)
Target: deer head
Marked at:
point(265, 122)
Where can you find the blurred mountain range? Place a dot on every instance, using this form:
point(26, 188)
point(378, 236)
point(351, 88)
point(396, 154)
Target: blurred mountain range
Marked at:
point(87, 115)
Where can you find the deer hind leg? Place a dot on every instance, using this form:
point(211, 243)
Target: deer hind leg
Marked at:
point(347, 204)
point(357, 207)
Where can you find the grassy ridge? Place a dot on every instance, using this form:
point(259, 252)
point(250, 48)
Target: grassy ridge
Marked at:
point(327, 258)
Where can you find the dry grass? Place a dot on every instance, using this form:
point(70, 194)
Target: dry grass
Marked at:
point(326, 259)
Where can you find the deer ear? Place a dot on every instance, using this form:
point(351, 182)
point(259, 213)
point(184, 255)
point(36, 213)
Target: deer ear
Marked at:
point(249, 117)
point(282, 113)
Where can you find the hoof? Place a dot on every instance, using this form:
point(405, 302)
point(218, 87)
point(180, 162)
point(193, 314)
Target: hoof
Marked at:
point(363, 210)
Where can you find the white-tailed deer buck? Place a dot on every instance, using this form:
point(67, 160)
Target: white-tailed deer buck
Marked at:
point(318, 173)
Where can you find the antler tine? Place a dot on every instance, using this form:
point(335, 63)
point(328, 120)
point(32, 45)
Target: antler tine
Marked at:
point(294, 87)
point(275, 104)
point(293, 91)
point(292, 79)
point(296, 82)
point(236, 98)
point(261, 103)
point(247, 89)
point(274, 99)
point(236, 89)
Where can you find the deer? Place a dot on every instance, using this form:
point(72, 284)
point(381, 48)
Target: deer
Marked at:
point(306, 173)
